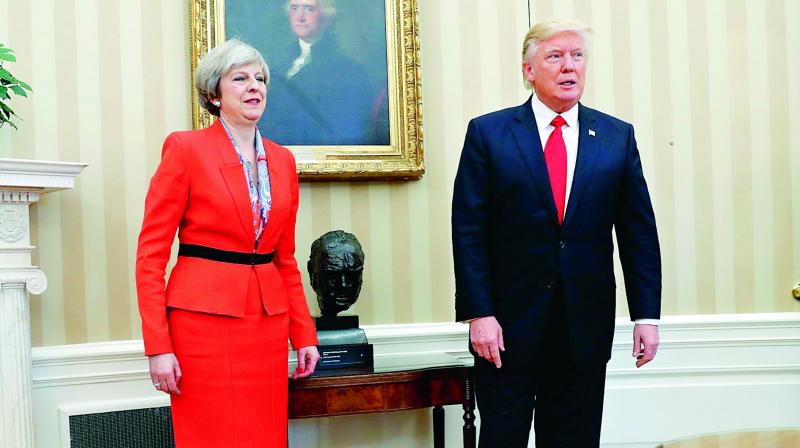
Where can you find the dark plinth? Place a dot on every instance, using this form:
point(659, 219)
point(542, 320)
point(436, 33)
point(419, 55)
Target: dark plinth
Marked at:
point(344, 359)
point(342, 346)
point(350, 336)
point(335, 323)
point(344, 349)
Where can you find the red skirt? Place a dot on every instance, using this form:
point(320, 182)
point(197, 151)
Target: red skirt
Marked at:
point(235, 377)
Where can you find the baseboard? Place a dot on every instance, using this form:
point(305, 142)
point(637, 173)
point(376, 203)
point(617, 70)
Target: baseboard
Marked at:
point(712, 373)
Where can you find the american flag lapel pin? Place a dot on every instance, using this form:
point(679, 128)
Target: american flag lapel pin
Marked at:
point(591, 133)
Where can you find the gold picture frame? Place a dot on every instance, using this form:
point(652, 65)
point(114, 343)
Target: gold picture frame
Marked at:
point(402, 158)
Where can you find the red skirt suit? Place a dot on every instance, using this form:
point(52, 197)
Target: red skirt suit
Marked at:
point(227, 323)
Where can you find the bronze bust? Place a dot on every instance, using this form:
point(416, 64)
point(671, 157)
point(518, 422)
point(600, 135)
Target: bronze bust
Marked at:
point(335, 268)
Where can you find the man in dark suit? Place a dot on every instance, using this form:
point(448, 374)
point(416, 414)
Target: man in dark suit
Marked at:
point(538, 190)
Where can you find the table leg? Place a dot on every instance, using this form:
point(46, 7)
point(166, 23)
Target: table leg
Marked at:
point(438, 427)
point(469, 415)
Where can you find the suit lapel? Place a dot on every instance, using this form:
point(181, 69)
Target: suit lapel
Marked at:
point(276, 188)
point(588, 150)
point(526, 133)
point(233, 175)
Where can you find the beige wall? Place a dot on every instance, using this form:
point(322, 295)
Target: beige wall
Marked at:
point(706, 83)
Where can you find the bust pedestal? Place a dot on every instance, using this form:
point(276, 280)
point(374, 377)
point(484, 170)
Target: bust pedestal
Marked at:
point(343, 346)
point(21, 184)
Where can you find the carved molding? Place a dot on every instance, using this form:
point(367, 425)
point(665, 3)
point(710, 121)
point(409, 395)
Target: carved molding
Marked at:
point(13, 223)
point(16, 250)
point(18, 197)
point(33, 279)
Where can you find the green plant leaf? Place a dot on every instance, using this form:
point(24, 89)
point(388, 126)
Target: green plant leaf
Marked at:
point(7, 110)
point(18, 90)
point(2, 122)
point(9, 85)
point(8, 114)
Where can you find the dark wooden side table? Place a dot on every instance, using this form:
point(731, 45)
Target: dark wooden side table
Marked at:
point(389, 391)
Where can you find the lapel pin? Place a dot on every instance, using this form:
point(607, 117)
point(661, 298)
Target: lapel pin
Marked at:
point(591, 133)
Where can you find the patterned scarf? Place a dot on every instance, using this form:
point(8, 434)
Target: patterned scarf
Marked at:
point(260, 194)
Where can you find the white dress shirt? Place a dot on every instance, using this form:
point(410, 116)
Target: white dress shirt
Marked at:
point(302, 60)
point(544, 116)
point(570, 131)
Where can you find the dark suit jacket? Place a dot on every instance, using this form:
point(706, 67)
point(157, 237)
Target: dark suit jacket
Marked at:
point(328, 102)
point(200, 190)
point(510, 251)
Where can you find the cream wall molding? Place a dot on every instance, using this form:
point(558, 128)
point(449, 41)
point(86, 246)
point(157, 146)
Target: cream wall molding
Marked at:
point(712, 373)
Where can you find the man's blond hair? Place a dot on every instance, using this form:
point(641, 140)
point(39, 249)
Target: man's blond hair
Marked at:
point(547, 29)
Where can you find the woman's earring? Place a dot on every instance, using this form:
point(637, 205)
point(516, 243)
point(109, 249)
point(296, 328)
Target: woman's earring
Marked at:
point(216, 103)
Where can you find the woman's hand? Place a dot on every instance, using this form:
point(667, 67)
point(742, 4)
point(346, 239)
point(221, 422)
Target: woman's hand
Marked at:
point(165, 373)
point(307, 358)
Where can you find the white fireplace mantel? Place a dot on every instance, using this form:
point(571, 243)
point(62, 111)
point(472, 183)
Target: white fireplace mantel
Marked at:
point(39, 176)
point(22, 182)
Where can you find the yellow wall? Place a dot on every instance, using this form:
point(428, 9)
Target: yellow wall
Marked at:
point(710, 85)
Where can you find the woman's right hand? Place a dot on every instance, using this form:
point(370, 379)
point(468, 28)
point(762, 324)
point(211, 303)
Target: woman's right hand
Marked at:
point(165, 373)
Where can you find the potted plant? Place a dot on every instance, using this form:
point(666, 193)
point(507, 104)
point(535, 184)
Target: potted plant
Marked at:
point(9, 85)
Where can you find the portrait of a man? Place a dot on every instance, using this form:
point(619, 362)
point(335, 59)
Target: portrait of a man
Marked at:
point(328, 68)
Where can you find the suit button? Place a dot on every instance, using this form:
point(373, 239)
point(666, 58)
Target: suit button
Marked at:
point(562, 244)
point(549, 285)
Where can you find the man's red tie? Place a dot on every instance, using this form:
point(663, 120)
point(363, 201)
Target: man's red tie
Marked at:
point(555, 156)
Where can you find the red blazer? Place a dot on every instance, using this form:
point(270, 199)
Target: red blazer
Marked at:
point(200, 189)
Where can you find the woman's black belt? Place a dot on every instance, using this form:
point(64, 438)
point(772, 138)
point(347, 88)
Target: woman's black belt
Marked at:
point(225, 256)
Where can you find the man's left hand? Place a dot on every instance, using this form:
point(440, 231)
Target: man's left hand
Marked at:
point(645, 343)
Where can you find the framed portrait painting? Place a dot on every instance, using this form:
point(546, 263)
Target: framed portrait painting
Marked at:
point(344, 91)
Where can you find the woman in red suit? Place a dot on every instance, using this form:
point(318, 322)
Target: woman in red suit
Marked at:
point(216, 334)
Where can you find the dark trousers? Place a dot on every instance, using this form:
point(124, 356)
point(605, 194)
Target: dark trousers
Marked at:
point(568, 400)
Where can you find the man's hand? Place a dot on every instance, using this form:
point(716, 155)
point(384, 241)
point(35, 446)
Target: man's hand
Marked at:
point(486, 338)
point(165, 373)
point(307, 358)
point(645, 343)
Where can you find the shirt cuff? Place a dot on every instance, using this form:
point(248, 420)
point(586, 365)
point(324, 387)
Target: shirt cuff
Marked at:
point(647, 322)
